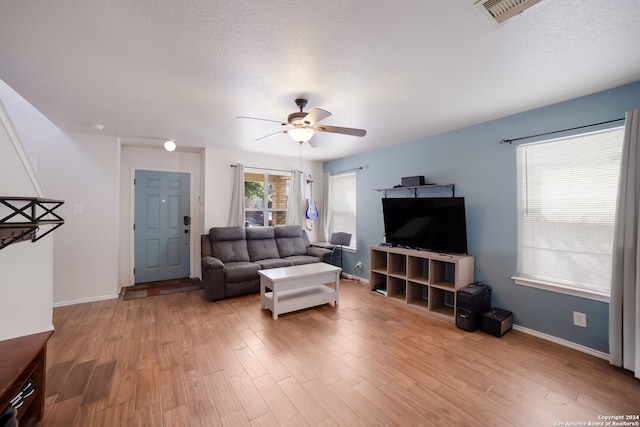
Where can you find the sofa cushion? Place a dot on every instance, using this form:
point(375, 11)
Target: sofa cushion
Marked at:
point(261, 243)
point(240, 271)
point(274, 263)
point(228, 244)
point(289, 240)
point(302, 259)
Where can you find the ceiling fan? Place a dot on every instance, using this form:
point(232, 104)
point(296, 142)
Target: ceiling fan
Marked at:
point(302, 126)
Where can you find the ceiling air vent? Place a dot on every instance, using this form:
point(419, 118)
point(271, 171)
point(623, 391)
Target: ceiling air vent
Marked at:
point(499, 11)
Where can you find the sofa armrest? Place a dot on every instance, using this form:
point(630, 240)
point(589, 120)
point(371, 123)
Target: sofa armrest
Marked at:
point(324, 254)
point(210, 262)
point(212, 278)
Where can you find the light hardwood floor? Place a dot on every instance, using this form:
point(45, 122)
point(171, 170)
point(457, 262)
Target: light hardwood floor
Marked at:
point(178, 360)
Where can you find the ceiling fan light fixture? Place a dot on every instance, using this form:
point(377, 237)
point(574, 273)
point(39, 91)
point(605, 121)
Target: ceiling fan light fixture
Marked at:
point(169, 145)
point(301, 134)
point(303, 125)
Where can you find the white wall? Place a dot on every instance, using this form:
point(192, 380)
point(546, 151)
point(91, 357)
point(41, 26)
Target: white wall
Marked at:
point(83, 170)
point(218, 180)
point(25, 267)
point(135, 158)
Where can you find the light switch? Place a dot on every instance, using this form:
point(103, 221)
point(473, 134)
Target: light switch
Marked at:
point(78, 209)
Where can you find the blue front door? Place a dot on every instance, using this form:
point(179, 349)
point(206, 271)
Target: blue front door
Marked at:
point(161, 226)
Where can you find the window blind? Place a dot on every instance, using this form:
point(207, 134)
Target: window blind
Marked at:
point(567, 190)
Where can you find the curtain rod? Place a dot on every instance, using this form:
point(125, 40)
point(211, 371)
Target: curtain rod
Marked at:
point(509, 141)
point(266, 169)
point(345, 171)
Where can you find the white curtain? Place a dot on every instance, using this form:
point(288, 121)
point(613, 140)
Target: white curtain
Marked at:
point(624, 304)
point(325, 218)
point(295, 204)
point(236, 210)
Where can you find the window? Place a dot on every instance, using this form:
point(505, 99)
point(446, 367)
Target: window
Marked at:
point(342, 205)
point(265, 197)
point(567, 190)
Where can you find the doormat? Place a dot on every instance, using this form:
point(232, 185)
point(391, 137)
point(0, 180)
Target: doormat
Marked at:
point(161, 288)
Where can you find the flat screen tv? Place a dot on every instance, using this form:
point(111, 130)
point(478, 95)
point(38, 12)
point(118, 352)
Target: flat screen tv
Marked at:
point(437, 224)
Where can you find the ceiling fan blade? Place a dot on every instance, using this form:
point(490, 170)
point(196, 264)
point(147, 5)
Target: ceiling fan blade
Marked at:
point(315, 116)
point(258, 118)
point(338, 129)
point(271, 134)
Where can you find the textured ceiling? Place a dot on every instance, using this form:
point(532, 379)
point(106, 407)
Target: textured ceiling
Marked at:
point(401, 70)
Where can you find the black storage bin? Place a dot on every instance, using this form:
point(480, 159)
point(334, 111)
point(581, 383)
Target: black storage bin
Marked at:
point(471, 302)
point(497, 322)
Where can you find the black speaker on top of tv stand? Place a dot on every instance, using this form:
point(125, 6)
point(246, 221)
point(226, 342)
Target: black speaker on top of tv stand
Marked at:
point(471, 302)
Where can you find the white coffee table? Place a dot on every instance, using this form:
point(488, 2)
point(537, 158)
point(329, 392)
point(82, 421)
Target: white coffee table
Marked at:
point(299, 286)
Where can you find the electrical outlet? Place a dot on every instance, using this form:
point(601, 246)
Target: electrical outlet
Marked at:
point(358, 265)
point(580, 319)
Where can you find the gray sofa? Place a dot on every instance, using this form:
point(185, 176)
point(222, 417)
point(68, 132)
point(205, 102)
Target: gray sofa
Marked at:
point(232, 256)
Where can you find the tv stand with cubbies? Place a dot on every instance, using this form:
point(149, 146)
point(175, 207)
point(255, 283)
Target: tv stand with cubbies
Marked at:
point(427, 280)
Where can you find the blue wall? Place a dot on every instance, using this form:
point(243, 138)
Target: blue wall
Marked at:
point(484, 172)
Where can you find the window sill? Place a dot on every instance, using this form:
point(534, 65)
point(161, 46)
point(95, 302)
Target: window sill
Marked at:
point(328, 245)
point(552, 287)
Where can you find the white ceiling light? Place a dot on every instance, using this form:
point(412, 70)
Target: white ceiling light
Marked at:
point(169, 145)
point(301, 134)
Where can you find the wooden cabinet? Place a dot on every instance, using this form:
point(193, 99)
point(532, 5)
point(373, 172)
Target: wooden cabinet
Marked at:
point(23, 360)
point(428, 280)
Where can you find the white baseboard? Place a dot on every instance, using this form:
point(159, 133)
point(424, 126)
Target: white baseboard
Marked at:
point(356, 278)
point(82, 301)
point(562, 342)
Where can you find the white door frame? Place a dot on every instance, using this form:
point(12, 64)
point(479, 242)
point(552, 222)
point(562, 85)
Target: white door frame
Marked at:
point(194, 240)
